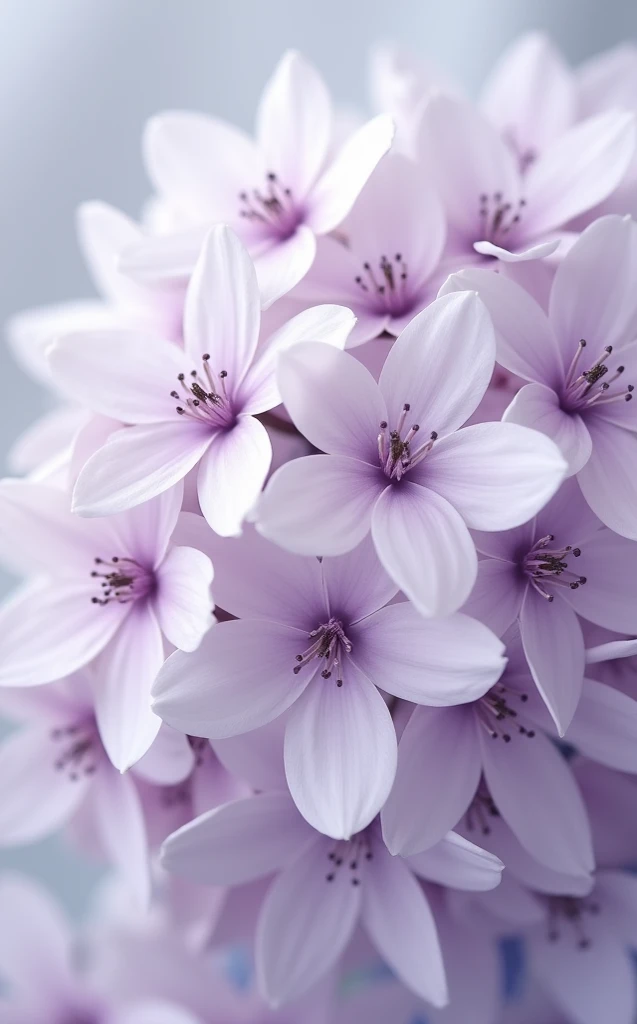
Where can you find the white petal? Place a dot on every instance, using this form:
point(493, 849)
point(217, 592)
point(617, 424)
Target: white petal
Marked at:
point(232, 473)
point(539, 408)
point(458, 863)
point(121, 828)
point(182, 603)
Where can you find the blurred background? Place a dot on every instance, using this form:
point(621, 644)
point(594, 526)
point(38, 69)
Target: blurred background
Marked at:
point(78, 79)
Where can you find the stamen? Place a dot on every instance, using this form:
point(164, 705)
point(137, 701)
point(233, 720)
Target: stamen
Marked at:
point(549, 568)
point(570, 910)
point(395, 456)
point(587, 389)
point(78, 756)
point(329, 643)
point(122, 580)
point(203, 399)
point(497, 217)
point(388, 292)
point(273, 209)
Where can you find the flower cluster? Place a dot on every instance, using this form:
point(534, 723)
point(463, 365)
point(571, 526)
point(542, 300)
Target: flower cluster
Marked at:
point(325, 642)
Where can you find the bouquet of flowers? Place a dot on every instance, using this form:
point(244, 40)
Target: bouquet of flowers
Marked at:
point(326, 637)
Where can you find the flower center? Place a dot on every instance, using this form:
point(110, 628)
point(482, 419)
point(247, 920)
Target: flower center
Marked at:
point(498, 715)
point(76, 750)
point(272, 208)
point(482, 808)
point(497, 217)
point(395, 453)
point(570, 911)
point(547, 567)
point(386, 288)
point(350, 855)
point(122, 580)
point(524, 156)
point(206, 399)
point(582, 388)
point(328, 641)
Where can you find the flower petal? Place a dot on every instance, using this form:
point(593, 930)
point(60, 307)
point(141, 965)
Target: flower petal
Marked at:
point(122, 830)
point(604, 726)
point(35, 940)
point(232, 473)
point(356, 583)
point(238, 842)
point(294, 950)
point(497, 596)
point(497, 475)
point(182, 603)
point(441, 364)
point(425, 547)
point(579, 170)
point(400, 923)
point(340, 753)
point(538, 407)
point(222, 313)
point(339, 186)
point(532, 252)
point(284, 263)
point(136, 464)
point(439, 767)
point(39, 533)
point(458, 863)
point(554, 648)
point(126, 672)
point(607, 480)
point(240, 677)
point(534, 790)
point(609, 597)
point(451, 660)
point(169, 760)
point(144, 532)
point(320, 504)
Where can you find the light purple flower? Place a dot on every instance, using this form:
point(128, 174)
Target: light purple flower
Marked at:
point(278, 193)
point(448, 758)
point(580, 360)
point(196, 406)
point(113, 588)
point(545, 574)
point(315, 635)
point(418, 497)
point(383, 262)
point(330, 885)
point(500, 204)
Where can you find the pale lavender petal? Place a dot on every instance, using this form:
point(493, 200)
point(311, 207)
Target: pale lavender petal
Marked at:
point(437, 662)
point(607, 480)
point(144, 532)
point(222, 313)
point(497, 595)
point(618, 890)
point(239, 842)
point(497, 475)
point(170, 759)
point(35, 940)
point(456, 862)
point(294, 950)
point(284, 263)
point(333, 400)
point(441, 364)
point(321, 504)
point(356, 583)
point(340, 753)
point(182, 602)
point(165, 259)
point(539, 407)
point(232, 473)
point(532, 252)
point(120, 825)
point(579, 170)
point(339, 186)
point(425, 546)
point(126, 671)
point(240, 677)
point(554, 647)
point(132, 374)
point(294, 123)
point(49, 632)
point(400, 924)
point(138, 463)
point(536, 794)
point(37, 797)
point(439, 767)
point(152, 1011)
point(609, 597)
point(604, 726)
point(103, 233)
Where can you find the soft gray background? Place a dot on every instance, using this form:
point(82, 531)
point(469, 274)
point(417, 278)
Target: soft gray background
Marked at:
point(78, 78)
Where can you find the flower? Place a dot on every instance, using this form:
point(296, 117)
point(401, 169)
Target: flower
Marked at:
point(330, 885)
point(582, 401)
point(458, 761)
point(510, 205)
point(278, 193)
point(196, 406)
point(110, 587)
point(314, 637)
point(384, 261)
point(418, 498)
point(546, 573)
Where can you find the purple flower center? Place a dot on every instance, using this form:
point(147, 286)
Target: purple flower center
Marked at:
point(498, 715)
point(77, 749)
point(122, 579)
point(582, 388)
point(387, 288)
point(329, 642)
point(206, 399)
point(482, 808)
point(498, 218)
point(272, 209)
point(350, 855)
point(395, 453)
point(570, 912)
point(547, 567)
